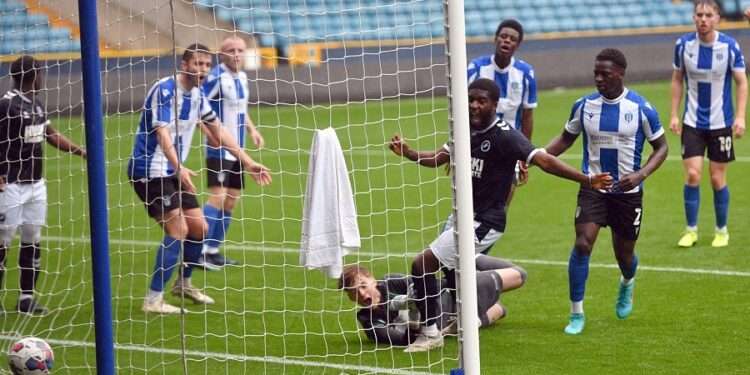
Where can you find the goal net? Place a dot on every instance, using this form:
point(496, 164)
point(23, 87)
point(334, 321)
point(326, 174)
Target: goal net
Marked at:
point(368, 69)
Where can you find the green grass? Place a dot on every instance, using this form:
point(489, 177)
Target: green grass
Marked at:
point(682, 322)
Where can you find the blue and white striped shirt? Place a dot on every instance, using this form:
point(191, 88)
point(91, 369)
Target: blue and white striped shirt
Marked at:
point(614, 132)
point(707, 70)
point(227, 93)
point(516, 82)
point(159, 110)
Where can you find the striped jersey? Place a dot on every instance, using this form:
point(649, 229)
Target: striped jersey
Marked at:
point(707, 70)
point(227, 93)
point(165, 99)
point(516, 82)
point(614, 132)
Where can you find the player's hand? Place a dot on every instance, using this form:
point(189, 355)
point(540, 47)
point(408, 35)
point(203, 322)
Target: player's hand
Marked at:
point(601, 181)
point(3, 184)
point(628, 182)
point(258, 140)
point(747, 13)
point(398, 145)
point(675, 126)
point(260, 173)
point(186, 179)
point(523, 173)
point(739, 125)
point(82, 153)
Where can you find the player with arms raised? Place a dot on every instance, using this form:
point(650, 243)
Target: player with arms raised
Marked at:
point(705, 63)
point(172, 110)
point(227, 91)
point(615, 123)
point(495, 148)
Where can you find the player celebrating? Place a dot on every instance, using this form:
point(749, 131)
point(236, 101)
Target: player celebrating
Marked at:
point(615, 122)
point(227, 90)
point(387, 312)
point(164, 185)
point(495, 148)
point(23, 192)
point(705, 61)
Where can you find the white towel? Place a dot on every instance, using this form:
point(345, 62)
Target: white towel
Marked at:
point(329, 221)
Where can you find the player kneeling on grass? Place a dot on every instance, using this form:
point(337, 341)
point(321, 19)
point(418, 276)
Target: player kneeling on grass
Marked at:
point(495, 148)
point(23, 191)
point(164, 184)
point(389, 315)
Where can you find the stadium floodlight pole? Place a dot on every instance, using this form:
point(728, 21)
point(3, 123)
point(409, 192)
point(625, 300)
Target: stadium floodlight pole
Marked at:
point(97, 184)
point(461, 159)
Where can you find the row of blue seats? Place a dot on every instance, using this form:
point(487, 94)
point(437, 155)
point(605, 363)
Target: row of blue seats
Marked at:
point(7, 6)
point(39, 46)
point(22, 18)
point(34, 33)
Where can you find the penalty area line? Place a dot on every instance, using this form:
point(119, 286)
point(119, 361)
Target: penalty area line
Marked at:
point(373, 254)
point(230, 357)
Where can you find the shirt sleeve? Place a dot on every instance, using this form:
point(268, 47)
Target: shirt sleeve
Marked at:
point(650, 122)
point(162, 105)
point(472, 72)
point(574, 125)
point(530, 95)
point(207, 113)
point(738, 61)
point(514, 145)
point(211, 86)
point(679, 48)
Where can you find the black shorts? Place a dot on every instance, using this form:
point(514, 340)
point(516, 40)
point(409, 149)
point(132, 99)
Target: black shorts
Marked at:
point(160, 195)
point(719, 143)
point(622, 212)
point(225, 173)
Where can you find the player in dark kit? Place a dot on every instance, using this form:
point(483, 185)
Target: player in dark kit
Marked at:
point(495, 148)
point(389, 315)
point(23, 192)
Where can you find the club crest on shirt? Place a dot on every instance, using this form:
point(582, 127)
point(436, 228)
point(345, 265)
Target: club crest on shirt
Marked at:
point(719, 56)
point(590, 115)
point(485, 146)
point(515, 87)
point(629, 117)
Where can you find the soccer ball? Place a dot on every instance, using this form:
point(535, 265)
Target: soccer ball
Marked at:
point(30, 356)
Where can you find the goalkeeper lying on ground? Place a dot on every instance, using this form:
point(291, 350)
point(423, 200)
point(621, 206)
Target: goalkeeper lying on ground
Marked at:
point(389, 315)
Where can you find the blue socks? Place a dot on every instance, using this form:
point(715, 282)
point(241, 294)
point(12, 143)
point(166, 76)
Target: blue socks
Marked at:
point(166, 260)
point(721, 206)
point(629, 272)
point(692, 195)
point(218, 223)
point(578, 272)
point(193, 250)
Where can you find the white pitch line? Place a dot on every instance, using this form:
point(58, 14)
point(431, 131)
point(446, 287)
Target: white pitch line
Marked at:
point(372, 254)
point(230, 357)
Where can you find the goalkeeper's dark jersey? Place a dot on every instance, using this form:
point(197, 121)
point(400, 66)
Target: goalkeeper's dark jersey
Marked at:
point(23, 126)
point(494, 152)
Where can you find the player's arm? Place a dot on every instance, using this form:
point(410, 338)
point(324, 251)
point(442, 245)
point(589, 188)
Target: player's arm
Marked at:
point(555, 166)
point(165, 142)
point(431, 159)
point(255, 135)
point(630, 181)
point(527, 122)
point(739, 117)
point(561, 143)
point(677, 87)
point(62, 143)
point(259, 172)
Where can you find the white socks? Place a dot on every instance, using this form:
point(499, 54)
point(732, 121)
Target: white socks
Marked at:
point(576, 307)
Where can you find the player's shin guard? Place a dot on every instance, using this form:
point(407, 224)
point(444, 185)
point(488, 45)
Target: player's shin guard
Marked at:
point(214, 219)
point(427, 292)
point(29, 262)
point(628, 270)
point(692, 195)
point(166, 260)
point(578, 272)
point(721, 206)
point(192, 254)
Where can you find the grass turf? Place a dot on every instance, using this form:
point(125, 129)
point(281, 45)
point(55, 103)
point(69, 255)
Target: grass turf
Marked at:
point(272, 316)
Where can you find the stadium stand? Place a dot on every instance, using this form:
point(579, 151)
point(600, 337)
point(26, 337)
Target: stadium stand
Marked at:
point(273, 21)
point(22, 31)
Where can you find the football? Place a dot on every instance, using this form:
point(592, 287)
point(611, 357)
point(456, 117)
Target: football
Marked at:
point(30, 356)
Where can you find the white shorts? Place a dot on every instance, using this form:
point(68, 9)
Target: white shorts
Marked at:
point(23, 204)
point(445, 249)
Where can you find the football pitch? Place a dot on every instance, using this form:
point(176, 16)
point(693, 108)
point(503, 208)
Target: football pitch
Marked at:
point(272, 316)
